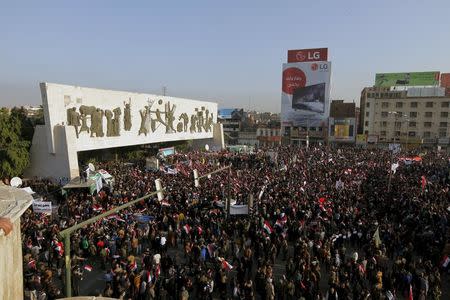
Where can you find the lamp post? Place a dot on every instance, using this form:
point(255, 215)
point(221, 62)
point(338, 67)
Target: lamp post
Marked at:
point(65, 234)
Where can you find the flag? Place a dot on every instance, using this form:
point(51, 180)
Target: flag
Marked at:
point(165, 203)
point(394, 167)
point(445, 261)
point(200, 230)
point(424, 182)
point(410, 296)
point(88, 268)
point(376, 238)
point(133, 266)
point(97, 208)
point(267, 227)
point(115, 217)
point(32, 264)
point(187, 228)
point(226, 265)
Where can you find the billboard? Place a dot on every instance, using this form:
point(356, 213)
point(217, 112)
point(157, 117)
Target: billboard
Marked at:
point(305, 55)
point(406, 79)
point(305, 94)
point(342, 129)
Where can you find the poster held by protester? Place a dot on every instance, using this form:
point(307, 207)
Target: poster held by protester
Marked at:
point(42, 207)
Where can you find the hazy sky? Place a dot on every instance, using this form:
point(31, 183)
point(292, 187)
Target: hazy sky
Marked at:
point(225, 51)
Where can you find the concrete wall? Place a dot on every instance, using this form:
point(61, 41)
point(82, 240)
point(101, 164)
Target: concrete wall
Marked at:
point(62, 163)
point(11, 273)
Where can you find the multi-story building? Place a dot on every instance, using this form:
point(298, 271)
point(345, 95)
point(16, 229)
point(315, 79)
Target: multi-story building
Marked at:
point(410, 116)
point(269, 135)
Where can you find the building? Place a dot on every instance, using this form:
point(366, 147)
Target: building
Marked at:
point(269, 135)
point(413, 115)
point(232, 120)
point(342, 122)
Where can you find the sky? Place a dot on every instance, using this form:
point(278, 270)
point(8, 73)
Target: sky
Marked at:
point(230, 52)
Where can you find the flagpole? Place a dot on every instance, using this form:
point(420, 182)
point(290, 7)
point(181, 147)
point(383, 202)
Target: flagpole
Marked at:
point(390, 170)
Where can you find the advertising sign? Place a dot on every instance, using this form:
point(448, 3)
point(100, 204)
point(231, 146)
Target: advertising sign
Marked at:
point(42, 207)
point(305, 55)
point(305, 94)
point(342, 129)
point(361, 138)
point(406, 79)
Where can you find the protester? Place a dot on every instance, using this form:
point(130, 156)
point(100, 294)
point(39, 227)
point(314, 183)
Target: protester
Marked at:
point(329, 217)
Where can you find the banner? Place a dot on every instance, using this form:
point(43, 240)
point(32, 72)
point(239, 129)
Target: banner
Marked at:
point(406, 79)
point(167, 151)
point(305, 55)
point(305, 94)
point(42, 207)
point(238, 209)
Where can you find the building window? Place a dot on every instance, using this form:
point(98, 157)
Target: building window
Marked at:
point(445, 104)
point(397, 133)
point(444, 114)
point(442, 133)
point(411, 133)
point(413, 114)
point(385, 104)
point(429, 104)
point(383, 133)
point(427, 124)
point(366, 132)
point(384, 124)
point(398, 124)
point(368, 104)
point(366, 123)
point(367, 113)
point(427, 134)
point(428, 114)
point(412, 124)
point(414, 104)
point(399, 104)
point(384, 114)
point(443, 124)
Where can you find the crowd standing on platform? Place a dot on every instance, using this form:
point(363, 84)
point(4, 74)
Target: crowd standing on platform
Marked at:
point(324, 224)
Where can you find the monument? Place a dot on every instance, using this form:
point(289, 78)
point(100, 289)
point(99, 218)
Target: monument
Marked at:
point(81, 119)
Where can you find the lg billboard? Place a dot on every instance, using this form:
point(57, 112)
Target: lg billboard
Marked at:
point(305, 93)
point(307, 55)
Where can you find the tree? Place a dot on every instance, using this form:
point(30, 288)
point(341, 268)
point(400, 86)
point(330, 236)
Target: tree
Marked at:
point(14, 149)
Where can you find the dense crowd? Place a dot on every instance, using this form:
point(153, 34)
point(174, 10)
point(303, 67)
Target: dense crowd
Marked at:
point(323, 224)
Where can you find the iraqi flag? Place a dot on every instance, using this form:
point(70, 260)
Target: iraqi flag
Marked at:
point(267, 227)
point(116, 217)
point(97, 208)
point(133, 266)
point(88, 268)
point(445, 261)
point(410, 296)
point(32, 264)
point(187, 228)
point(200, 230)
point(424, 182)
point(226, 265)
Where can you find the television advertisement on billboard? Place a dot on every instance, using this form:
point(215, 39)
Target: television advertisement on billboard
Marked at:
point(407, 79)
point(305, 94)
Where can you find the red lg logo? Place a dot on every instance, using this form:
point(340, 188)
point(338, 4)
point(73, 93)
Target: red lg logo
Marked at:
point(314, 67)
point(300, 56)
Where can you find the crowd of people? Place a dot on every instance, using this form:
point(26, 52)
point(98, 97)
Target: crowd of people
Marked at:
point(322, 224)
